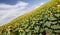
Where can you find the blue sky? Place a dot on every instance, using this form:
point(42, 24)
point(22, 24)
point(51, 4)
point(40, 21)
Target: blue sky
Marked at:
point(12, 2)
point(10, 9)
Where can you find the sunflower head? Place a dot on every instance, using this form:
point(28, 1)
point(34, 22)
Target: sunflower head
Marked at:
point(10, 28)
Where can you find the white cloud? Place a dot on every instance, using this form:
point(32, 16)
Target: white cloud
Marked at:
point(8, 12)
point(37, 5)
point(42, 3)
point(19, 4)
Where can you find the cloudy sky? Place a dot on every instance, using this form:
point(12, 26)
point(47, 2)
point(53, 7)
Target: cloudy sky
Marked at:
point(10, 9)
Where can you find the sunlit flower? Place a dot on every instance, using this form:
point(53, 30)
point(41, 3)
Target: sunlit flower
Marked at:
point(10, 28)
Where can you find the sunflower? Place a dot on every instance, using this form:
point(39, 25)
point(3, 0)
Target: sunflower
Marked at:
point(10, 28)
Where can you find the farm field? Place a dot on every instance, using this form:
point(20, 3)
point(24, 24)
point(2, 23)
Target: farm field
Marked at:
point(44, 20)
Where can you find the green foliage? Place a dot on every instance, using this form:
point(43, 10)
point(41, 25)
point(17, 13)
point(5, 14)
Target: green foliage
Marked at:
point(44, 20)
